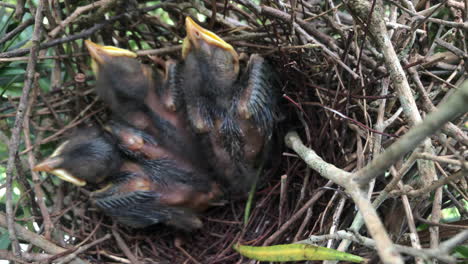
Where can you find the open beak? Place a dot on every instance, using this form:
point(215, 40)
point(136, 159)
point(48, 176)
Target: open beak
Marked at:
point(102, 53)
point(52, 165)
point(196, 33)
point(48, 166)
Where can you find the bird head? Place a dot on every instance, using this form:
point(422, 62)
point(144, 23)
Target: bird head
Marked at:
point(88, 156)
point(206, 44)
point(119, 75)
point(103, 55)
point(54, 165)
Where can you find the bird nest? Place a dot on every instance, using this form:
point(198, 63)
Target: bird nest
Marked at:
point(334, 78)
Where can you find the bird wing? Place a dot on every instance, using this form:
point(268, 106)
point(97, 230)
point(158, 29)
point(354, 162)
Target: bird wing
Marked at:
point(141, 208)
point(131, 199)
point(256, 100)
point(136, 209)
point(171, 91)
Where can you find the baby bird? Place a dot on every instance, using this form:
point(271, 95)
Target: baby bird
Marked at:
point(138, 145)
point(210, 69)
point(137, 192)
point(154, 191)
point(143, 98)
point(233, 111)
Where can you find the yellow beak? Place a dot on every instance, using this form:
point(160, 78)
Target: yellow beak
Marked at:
point(196, 33)
point(52, 165)
point(100, 53)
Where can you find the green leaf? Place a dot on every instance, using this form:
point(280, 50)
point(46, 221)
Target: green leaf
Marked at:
point(461, 251)
point(4, 239)
point(3, 14)
point(248, 205)
point(295, 252)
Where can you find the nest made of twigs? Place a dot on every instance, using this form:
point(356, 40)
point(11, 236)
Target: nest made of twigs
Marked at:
point(331, 94)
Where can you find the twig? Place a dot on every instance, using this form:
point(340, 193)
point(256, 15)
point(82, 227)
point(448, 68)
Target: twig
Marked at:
point(72, 124)
point(83, 249)
point(115, 258)
point(430, 223)
point(453, 107)
point(40, 198)
point(37, 240)
point(461, 208)
point(452, 48)
point(448, 245)
point(123, 246)
point(296, 216)
point(17, 30)
point(433, 186)
point(449, 128)
point(78, 11)
point(440, 253)
point(28, 257)
point(303, 224)
point(283, 197)
point(441, 159)
point(179, 246)
point(432, 123)
point(176, 48)
point(377, 27)
point(336, 218)
point(298, 28)
point(418, 16)
point(414, 238)
point(18, 126)
point(84, 34)
point(19, 9)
